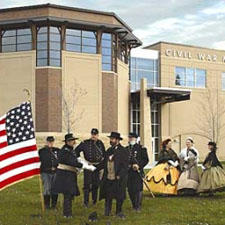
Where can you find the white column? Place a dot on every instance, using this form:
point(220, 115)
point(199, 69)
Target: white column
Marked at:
point(145, 119)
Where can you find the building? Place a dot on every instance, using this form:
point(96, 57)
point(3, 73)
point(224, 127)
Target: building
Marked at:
point(81, 71)
point(185, 91)
point(73, 61)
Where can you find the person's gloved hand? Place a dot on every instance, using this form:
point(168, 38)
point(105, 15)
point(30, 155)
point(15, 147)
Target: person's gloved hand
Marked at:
point(204, 168)
point(186, 158)
point(89, 167)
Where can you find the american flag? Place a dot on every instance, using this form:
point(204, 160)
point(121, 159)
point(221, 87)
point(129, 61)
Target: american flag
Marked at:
point(18, 150)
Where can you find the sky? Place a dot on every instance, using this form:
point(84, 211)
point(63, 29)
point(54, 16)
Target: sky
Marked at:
point(194, 22)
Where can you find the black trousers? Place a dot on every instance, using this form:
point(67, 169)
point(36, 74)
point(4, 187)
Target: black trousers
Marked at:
point(108, 205)
point(67, 205)
point(91, 184)
point(136, 199)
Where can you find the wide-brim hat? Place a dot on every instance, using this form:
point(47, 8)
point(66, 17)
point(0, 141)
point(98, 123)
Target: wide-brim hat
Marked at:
point(70, 137)
point(115, 135)
point(50, 139)
point(132, 135)
point(212, 143)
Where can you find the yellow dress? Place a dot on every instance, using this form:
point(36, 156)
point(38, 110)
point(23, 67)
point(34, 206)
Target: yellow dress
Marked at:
point(163, 178)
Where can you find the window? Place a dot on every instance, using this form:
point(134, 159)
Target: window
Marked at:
point(16, 40)
point(190, 77)
point(81, 41)
point(107, 51)
point(48, 46)
point(143, 68)
point(155, 124)
point(223, 81)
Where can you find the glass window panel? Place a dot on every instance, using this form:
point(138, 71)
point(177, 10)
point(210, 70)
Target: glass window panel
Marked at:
point(88, 41)
point(42, 37)
point(8, 33)
point(106, 51)
point(23, 31)
point(73, 40)
point(42, 62)
point(180, 76)
point(73, 32)
point(55, 37)
point(106, 43)
point(54, 30)
point(42, 54)
point(55, 62)
point(55, 45)
point(89, 34)
point(87, 49)
point(8, 40)
point(106, 36)
point(200, 72)
point(133, 62)
point(73, 48)
point(190, 83)
point(24, 39)
point(145, 64)
point(43, 30)
point(24, 47)
point(106, 59)
point(42, 46)
point(9, 48)
point(55, 54)
point(106, 67)
point(180, 82)
point(180, 70)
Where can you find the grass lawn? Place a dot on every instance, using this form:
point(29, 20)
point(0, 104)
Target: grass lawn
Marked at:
point(20, 205)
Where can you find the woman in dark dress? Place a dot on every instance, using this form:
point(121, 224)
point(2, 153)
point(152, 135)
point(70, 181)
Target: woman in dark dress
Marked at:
point(213, 175)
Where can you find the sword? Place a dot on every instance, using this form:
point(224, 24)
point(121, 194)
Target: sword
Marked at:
point(139, 173)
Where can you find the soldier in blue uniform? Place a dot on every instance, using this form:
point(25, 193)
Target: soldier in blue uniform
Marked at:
point(94, 151)
point(138, 159)
point(66, 174)
point(49, 162)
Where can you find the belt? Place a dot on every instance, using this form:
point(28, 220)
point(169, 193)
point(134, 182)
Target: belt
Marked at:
point(93, 163)
point(66, 167)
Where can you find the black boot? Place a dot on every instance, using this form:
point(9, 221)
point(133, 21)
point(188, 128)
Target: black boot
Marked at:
point(108, 207)
point(47, 201)
point(86, 197)
point(94, 195)
point(54, 201)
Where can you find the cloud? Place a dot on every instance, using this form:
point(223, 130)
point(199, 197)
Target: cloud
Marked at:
point(195, 22)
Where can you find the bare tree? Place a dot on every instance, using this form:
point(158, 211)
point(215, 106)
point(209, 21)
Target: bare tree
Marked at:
point(210, 116)
point(70, 100)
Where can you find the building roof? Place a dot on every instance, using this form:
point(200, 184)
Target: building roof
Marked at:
point(117, 25)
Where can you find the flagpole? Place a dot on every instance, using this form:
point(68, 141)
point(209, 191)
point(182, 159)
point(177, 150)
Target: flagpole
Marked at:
point(40, 182)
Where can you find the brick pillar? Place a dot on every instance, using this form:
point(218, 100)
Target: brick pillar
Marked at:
point(145, 119)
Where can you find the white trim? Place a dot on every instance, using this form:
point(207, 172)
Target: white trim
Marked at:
point(145, 53)
point(19, 170)
point(17, 146)
point(18, 158)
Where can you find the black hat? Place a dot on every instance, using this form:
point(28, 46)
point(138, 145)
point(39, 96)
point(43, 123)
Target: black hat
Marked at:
point(212, 143)
point(69, 137)
point(94, 131)
point(93, 217)
point(132, 135)
point(115, 135)
point(50, 139)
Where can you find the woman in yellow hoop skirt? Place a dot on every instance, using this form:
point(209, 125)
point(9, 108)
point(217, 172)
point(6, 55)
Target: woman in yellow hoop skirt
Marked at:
point(163, 178)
